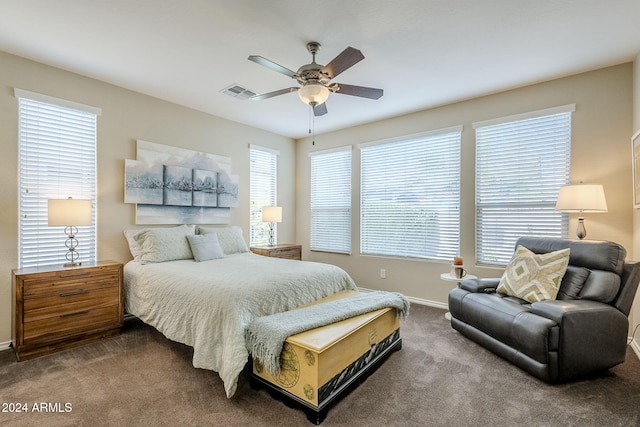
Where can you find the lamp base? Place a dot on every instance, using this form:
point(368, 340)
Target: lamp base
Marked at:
point(581, 232)
point(271, 235)
point(72, 243)
point(72, 264)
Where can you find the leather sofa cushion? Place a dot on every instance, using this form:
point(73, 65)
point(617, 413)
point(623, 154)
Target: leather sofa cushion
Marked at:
point(509, 320)
point(594, 255)
point(595, 285)
point(601, 286)
point(572, 282)
point(595, 267)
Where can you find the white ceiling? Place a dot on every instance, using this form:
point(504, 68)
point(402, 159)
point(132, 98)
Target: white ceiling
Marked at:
point(423, 53)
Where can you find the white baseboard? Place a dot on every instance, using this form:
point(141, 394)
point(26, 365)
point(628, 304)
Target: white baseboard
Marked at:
point(420, 301)
point(429, 303)
point(635, 346)
point(5, 345)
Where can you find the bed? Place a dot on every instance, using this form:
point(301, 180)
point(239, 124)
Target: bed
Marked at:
point(176, 285)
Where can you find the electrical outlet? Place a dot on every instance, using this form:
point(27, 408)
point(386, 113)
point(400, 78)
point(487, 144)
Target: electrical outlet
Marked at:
point(383, 273)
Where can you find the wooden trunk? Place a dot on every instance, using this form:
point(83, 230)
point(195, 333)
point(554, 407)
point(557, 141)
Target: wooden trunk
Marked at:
point(320, 365)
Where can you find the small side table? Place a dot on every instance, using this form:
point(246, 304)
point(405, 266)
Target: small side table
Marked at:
point(284, 250)
point(449, 278)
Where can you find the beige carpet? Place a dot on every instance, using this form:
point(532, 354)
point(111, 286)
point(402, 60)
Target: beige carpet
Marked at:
point(439, 378)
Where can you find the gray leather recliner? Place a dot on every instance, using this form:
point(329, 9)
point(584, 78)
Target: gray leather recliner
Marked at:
point(582, 331)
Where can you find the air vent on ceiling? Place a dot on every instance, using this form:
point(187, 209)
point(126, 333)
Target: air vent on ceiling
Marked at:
point(238, 91)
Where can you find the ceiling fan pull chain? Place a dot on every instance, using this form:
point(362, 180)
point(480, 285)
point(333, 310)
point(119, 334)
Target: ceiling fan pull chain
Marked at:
point(313, 121)
point(312, 125)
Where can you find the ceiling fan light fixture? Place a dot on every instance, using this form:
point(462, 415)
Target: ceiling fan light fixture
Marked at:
point(314, 79)
point(314, 93)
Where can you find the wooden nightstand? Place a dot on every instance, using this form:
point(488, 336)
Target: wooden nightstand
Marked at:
point(55, 308)
point(285, 250)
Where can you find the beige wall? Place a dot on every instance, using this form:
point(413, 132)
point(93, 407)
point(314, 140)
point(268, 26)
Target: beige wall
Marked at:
point(126, 116)
point(636, 212)
point(600, 154)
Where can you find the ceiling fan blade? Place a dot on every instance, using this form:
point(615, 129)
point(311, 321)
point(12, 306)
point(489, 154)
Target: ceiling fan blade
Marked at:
point(343, 61)
point(320, 110)
point(270, 64)
point(274, 93)
point(364, 92)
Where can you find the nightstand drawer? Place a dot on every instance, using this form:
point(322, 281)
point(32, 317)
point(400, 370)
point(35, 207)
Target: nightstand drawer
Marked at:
point(287, 251)
point(62, 324)
point(63, 283)
point(56, 304)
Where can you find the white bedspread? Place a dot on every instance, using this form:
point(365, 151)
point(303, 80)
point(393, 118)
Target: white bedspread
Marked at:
point(207, 305)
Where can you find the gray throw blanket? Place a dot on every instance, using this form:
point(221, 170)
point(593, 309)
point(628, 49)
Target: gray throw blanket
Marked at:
point(265, 336)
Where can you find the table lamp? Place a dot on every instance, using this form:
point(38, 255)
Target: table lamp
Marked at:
point(70, 213)
point(271, 214)
point(581, 198)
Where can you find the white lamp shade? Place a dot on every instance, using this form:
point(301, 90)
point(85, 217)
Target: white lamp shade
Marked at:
point(272, 214)
point(313, 93)
point(581, 198)
point(69, 212)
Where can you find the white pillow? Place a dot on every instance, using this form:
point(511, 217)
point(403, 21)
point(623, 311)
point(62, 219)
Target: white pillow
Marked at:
point(164, 244)
point(230, 238)
point(205, 247)
point(134, 247)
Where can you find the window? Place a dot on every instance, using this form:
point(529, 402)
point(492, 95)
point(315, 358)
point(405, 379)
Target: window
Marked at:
point(521, 163)
point(57, 159)
point(263, 171)
point(331, 200)
point(410, 196)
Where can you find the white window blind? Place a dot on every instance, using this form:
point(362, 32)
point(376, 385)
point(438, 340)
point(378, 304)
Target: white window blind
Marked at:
point(520, 166)
point(263, 171)
point(331, 201)
point(57, 160)
point(410, 196)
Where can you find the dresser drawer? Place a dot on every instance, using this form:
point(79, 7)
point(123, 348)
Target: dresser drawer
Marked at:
point(41, 329)
point(62, 282)
point(69, 301)
point(287, 251)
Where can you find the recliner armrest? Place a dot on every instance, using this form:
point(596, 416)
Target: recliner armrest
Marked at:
point(592, 335)
point(480, 285)
point(557, 309)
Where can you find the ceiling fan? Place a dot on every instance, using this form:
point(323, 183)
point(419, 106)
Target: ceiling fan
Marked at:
point(314, 78)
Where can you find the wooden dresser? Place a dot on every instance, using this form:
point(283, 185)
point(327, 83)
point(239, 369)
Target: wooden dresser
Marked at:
point(55, 308)
point(285, 250)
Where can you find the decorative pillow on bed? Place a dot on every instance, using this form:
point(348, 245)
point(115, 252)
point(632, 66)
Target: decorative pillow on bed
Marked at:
point(205, 247)
point(230, 238)
point(164, 244)
point(134, 247)
point(534, 277)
